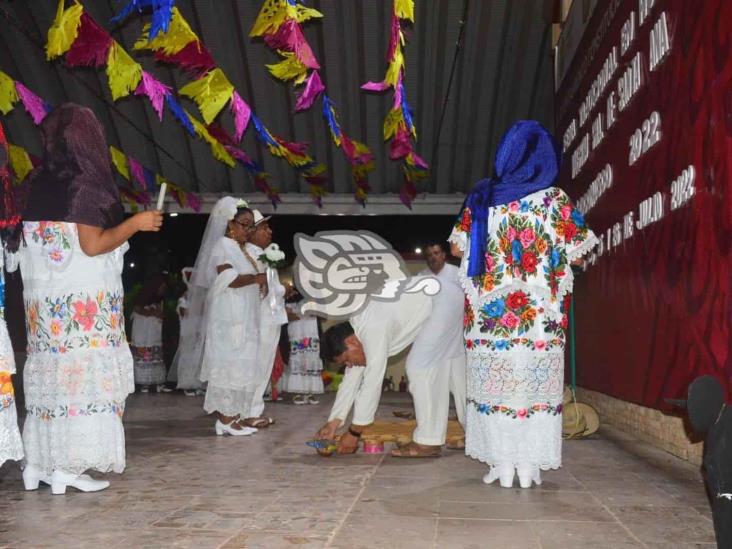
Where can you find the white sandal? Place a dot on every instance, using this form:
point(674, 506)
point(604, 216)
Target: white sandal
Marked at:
point(224, 428)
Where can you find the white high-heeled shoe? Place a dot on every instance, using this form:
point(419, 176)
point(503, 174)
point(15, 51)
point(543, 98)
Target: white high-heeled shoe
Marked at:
point(61, 480)
point(223, 428)
point(504, 473)
point(528, 474)
point(33, 476)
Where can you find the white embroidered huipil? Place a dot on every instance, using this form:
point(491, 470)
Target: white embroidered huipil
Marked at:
point(384, 329)
point(79, 368)
point(146, 344)
point(515, 324)
point(231, 327)
point(435, 365)
point(303, 374)
point(272, 316)
point(11, 446)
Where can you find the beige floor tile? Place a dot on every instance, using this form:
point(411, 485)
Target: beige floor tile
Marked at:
point(185, 487)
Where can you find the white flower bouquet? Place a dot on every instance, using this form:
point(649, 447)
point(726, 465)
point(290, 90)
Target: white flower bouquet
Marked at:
point(273, 257)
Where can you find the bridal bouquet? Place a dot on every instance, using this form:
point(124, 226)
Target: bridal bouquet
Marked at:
point(272, 257)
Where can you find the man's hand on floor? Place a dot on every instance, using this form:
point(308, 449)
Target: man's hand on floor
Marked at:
point(328, 431)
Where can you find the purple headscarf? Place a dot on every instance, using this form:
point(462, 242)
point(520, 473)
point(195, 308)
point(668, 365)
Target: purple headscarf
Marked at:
point(75, 182)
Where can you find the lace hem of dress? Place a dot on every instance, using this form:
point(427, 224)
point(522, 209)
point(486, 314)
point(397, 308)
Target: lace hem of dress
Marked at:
point(75, 444)
point(498, 440)
point(312, 384)
point(79, 379)
point(584, 248)
point(229, 402)
point(567, 283)
point(458, 238)
point(11, 445)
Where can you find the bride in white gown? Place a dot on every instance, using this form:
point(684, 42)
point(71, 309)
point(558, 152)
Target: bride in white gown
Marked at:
point(229, 317)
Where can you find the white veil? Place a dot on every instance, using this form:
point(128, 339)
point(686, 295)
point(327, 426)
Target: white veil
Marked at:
point(189, 355)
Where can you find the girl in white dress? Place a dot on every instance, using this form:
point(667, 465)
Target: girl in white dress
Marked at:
point(79, 368)
point(230, 319)
point(147, 336)
point(304, 372)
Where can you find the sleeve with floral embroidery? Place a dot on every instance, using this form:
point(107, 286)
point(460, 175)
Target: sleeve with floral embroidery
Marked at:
point(573, 236)
point(461, 230)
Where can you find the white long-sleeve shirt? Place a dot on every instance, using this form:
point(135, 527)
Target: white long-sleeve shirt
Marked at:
point(384, 329)
point(448, 273)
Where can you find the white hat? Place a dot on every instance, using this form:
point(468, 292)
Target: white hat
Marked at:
point(259, 218)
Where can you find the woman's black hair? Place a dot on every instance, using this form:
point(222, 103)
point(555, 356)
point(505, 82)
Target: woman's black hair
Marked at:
point(243, 210)
point(150, 292)
point(333, 342)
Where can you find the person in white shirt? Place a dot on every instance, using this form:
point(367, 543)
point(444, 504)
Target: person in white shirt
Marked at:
point(436, 363)
point(272, 316)
point(363, 345)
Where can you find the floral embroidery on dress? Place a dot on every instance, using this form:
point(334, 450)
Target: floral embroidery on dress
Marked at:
point(146, 354)
point(304, 345)
point(516, 413)
point(493, 269)
point(75, 321)
point(464, 221)
point(6, 390)
point(555, 270)
point(568, 222)
point(504, 316)
point(468, 317)
point(522, 244)
point(63, 411)
point(508, 344)
point(54, 238)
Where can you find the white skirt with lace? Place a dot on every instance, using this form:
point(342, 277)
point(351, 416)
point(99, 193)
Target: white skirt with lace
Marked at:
point(11, 445)
point(514, 413)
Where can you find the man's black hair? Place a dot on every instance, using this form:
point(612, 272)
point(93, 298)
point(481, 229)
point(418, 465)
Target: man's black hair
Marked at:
point(333, 343)
point(439, 243)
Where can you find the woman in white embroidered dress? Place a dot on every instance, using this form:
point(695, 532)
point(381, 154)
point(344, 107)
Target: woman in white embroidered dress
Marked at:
point(79, 368)
point(518, 235)
point(230, 320)
point(11, 446)
point(146, 341)
point(304, 371)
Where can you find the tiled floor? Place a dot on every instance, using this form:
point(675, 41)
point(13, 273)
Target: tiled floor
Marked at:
point(185, 487)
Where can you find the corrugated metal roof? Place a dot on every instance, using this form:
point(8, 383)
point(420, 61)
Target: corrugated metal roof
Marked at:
point(503, 74)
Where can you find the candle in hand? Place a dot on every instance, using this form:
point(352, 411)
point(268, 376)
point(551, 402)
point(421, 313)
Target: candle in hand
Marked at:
point(161, 196)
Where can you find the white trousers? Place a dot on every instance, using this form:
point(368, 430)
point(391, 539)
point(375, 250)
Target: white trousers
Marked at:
point(268, 341)
point(431, 388)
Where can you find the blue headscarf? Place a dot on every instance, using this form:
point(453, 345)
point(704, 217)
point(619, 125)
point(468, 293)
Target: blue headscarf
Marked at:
point(527, 161)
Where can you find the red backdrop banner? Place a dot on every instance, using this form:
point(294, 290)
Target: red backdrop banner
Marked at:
point(653, 311)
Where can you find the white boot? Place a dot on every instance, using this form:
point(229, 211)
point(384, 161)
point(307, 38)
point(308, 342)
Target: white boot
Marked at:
point(505, 472)
point(223, 428)
point(33, 476)
point(60, 480)
point(527, 474)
